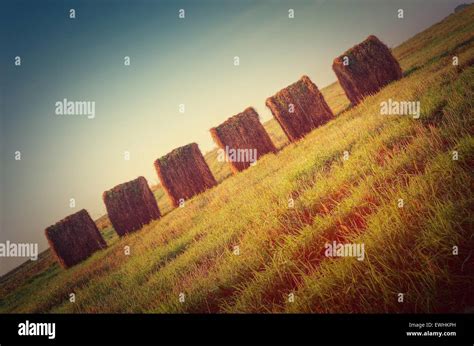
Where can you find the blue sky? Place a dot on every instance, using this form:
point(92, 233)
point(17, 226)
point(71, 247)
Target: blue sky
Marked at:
point(173, 61)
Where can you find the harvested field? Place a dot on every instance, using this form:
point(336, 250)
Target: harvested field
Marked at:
point(280, 215)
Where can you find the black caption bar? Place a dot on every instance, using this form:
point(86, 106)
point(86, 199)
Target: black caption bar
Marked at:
point(237, 329)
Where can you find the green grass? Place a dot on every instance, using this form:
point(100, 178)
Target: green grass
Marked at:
point(408, 250)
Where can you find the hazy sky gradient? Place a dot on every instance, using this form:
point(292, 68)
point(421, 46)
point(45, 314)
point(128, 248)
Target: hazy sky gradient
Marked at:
point(173, 61)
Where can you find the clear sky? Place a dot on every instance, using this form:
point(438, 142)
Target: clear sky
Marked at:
point(173, 61)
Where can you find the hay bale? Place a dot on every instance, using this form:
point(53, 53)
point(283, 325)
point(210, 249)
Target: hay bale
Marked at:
point(370, 67)
point(74, 238)
point(299, 108)
point(131, 206)
point(243, 138)
point(184, 173)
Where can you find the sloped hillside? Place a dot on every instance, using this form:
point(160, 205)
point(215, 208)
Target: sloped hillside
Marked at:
point(243, 247)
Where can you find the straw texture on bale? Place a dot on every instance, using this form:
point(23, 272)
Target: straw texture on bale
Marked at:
point(299, 108)
point(243, 132)
point(131, 205)
point(184, 173)
point(370, 67)
point(74, 238)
